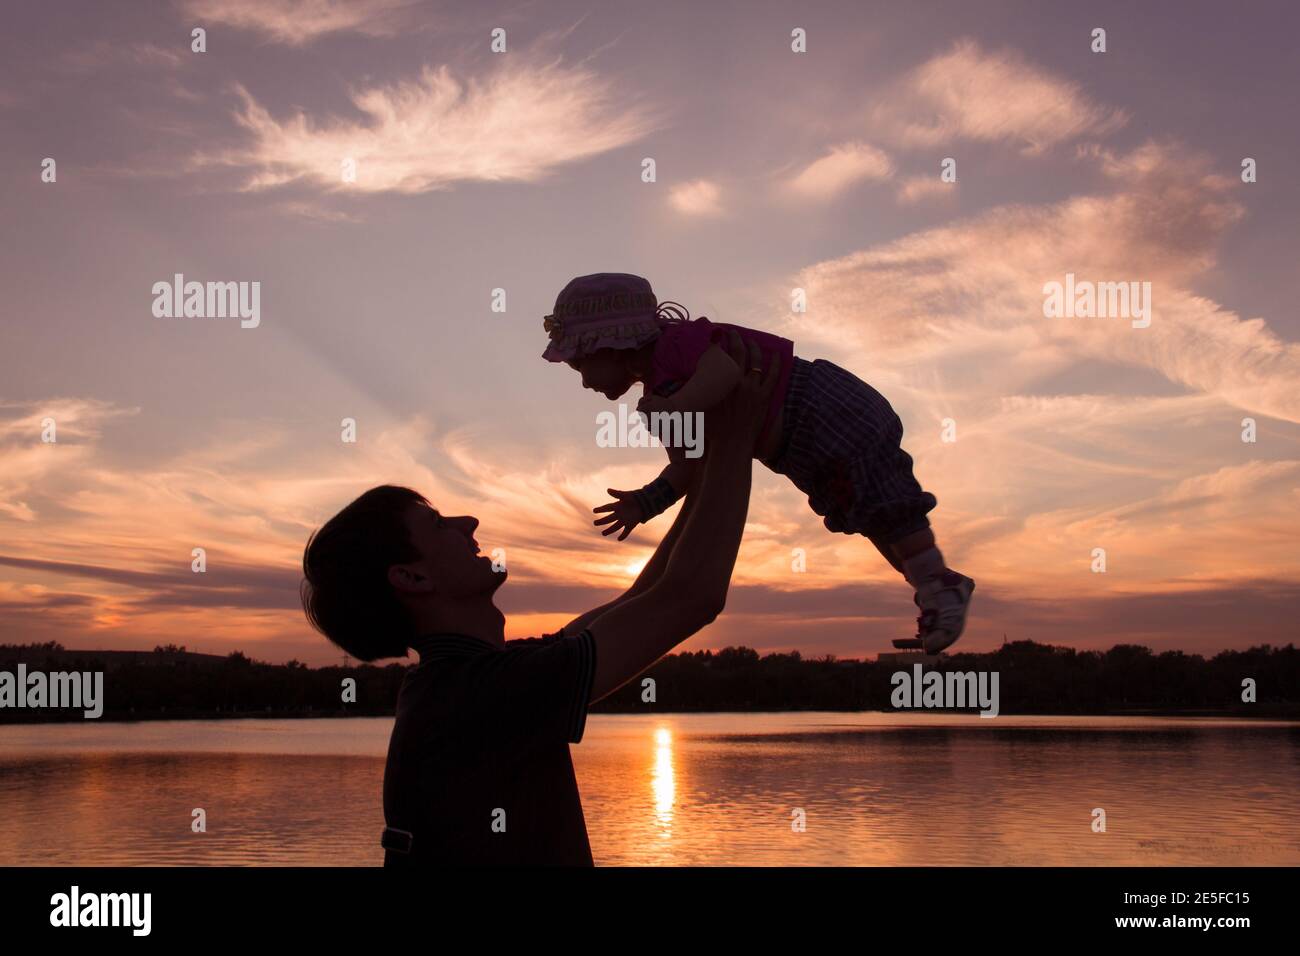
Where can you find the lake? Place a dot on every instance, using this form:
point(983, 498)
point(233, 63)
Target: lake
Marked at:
point(685, 789)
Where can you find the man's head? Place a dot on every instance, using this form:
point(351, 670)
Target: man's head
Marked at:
point(376, 573)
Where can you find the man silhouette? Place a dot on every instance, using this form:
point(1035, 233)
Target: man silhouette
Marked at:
point(479, 770)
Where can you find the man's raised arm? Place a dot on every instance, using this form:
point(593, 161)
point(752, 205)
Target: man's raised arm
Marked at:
point(691, 590)
point(654, 568)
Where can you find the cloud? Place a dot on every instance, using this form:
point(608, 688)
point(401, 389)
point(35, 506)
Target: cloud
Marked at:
point(80, 419)
point(974, 290)
point(519, 124)
point(948, 323)
point(107, 543)
point(315, 212)
point(697, 198)
point(297, 22)
point(840, 168)
point(922, 188)
point(29, 461)
point(969, 93)
point(106, 555)
point(105, 53)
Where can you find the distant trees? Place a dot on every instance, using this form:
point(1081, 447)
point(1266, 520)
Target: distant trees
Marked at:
point(1033, 678)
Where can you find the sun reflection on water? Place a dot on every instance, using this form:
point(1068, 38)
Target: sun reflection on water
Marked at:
point(662, 780)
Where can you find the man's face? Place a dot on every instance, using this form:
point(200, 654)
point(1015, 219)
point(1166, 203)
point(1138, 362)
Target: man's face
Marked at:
point(450, 564)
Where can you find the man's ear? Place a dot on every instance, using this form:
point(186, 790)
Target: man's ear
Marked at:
point(406, 577)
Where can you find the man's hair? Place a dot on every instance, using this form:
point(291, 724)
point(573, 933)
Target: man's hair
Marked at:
point(345, 590)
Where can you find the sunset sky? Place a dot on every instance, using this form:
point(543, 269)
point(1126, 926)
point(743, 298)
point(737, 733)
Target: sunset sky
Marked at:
point(776, 170)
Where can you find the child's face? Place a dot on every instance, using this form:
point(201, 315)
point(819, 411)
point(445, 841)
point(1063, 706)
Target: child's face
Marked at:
point(605, 371)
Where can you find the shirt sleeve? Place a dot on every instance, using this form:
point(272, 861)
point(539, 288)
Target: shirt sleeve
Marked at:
point(542, 686)
point(677, 354)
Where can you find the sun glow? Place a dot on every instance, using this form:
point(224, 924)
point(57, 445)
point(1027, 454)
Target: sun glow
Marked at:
point(663, 780)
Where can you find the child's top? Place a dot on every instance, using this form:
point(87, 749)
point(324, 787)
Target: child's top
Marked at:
point(680, 345)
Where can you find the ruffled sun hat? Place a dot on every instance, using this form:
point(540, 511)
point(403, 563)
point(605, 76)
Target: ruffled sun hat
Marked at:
point(607, 310)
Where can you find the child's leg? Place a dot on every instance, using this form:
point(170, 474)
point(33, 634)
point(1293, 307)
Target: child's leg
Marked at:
point(909, 546)
point(842, 446)
point(942, 594)
point(887, 552)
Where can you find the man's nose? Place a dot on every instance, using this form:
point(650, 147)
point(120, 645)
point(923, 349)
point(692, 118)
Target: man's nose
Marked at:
point(467, 524)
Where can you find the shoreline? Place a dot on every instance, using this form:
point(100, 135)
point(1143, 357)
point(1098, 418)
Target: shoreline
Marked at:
point(1281, 712)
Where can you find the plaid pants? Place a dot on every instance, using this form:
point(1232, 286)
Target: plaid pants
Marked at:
point(841, 446)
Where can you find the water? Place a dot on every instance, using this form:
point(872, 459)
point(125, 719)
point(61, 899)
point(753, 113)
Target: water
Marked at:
point(875, 789)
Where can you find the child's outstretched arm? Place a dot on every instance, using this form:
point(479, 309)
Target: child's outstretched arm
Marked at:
point(631, 508)
point(654, 568)
point(716, 374)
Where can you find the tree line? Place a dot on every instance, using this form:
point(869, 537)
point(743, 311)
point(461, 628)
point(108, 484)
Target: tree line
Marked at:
point(171, 683)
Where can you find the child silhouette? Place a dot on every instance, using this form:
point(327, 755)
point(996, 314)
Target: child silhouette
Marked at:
point(834, 436)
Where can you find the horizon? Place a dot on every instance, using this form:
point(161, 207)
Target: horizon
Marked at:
point(904, 656)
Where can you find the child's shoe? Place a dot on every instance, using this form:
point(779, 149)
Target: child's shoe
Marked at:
point(944, 601)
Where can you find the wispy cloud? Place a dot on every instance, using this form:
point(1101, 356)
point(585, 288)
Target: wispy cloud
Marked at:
point(971, 93)
point(252, 520)
point(922, 188)
point(840, 168)
point(315, 212)
point(29, 460)
point(950, 323)
point(106, 54)
point(701, 197)
point(977, 285)
point(296, 22)
point(519, 123)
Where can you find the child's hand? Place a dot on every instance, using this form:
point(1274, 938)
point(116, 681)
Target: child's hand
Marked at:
point(624, 512)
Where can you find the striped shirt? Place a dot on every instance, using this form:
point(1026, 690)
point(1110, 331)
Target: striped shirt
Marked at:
point(479, 770)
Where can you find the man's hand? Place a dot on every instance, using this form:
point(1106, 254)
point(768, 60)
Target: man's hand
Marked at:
point(742, 413)
point(624, 512)
point(651, 403)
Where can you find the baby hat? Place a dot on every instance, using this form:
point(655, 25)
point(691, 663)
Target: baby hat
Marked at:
point(607, 310)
